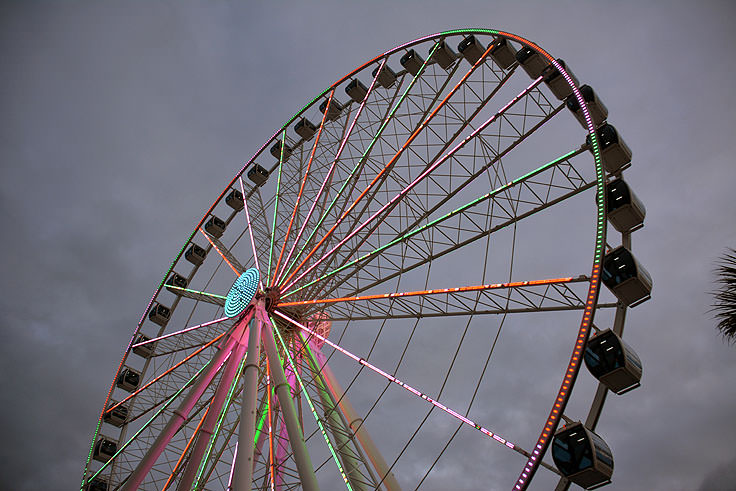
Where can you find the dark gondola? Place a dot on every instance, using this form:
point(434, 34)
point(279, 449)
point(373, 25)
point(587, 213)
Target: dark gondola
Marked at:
point(129, 379)
point(471, 49)
point(412, 62)
point(598, 111)
point(613, 362)
point(625, 211)
point(147, 349)
point(556, 82)
point(116, 417)
point(387, 77)
point(235, 200)
point(531, 61)
point(276, 150)
point(159, 314)
point(625, 277)
point(614, 151)
point(582, 456)
point(258, 175)
point(97, 484)
point(356, 90)
point(503, 53)
point(176, 280)
point(104, 449)
point(305, 128)
point(444, 55)
point(215, 226)
point(195, 254)
point(335, 108)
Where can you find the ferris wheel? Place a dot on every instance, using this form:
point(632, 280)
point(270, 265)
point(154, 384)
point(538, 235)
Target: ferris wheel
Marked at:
point(362, 304)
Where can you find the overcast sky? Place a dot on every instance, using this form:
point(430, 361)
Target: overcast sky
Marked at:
point(119, 124)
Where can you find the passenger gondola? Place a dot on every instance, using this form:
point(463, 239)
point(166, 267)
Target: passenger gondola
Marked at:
point(116, 417)
point(471, 49)
point(276, 150)
point(215, 226)
point(258, 175)
point(556, 82)
point(129, 379)
point(582, 456)
point(177, 281)
point(235, 200)
point(97, 484)
point(387, 77)
point(625, 211)
point(598, 111)
point(305, 128)
point(444, 55)
point(614, 151)
point(104, 449)
point(613, 362)
point(335, 108)
point(159, 314)
point(531, 61)
point(195, 254)
point(503, 53)
point(145, 350)
point(412, 62)
point(625, 277)
point(356, 90)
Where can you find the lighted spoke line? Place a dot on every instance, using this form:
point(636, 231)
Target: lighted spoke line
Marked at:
point(441, 219)
point(220, 420)
point(414, 391)
point(270, 424)
point(424, 124)
point(161, 410)
point(362, 159)
point(180, 332)
point(189, 357)
point(329, 172)
point(250, 231)
point(276, 206)
point(416, 181)
point(311, 406)
point(186, 448)
point(207, 236)
point(197, 295)
point(304, 182)
point(438, 291)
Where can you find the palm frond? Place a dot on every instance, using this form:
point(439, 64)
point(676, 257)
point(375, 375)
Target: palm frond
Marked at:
point(725, 296)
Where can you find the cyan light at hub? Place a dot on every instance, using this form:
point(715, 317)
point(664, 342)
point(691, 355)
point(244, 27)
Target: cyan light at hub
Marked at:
point(242, 292)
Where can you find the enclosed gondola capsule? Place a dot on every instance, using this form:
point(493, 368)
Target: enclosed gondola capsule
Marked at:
point(471, 49)
point(118, 416)
point(356, 90)
point(387, 77)
point(177, 281)
point(444, 55)
point(598, 111)
point(129, 379)
point(145, 350)
point(503, 53)
point(613, 362)
point(97, 484)
point(556, 82)
point(582, 456)
point(276, 150)
point(159, 314)
point(305, 128)
point(625, 277)
point(412, 62)
point(215, 226)
point(195, 254)
point(104, 449)
point(257, 174)
point(234, 200)
point(335, 108)
point(614, 151)
point(531, 61)
point(625, 211)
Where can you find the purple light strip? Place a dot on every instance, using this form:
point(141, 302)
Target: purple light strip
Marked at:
point(329, 173)
point(180, 332)
point(416, 181)
point(250, 231)
point(411, 389)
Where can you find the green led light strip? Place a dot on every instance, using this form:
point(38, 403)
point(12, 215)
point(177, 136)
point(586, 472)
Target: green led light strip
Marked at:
point(276, 205)
point(311, 406)
point(447, 216)
point(362, 159)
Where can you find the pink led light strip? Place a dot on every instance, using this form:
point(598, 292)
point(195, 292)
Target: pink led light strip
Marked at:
point(416, 181)
point(180, 332)
point(411, 389)
point(250, 230)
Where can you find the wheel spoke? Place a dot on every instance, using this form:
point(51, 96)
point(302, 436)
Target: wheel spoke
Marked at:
point(224, 253)
point(177, 333)
point(212, 298)
point(250, 231)
point(276, 206)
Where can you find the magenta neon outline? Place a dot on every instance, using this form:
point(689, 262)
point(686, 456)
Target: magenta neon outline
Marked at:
point(420, 177)
point(250, 231)
point(180, 332)
point(408, 387)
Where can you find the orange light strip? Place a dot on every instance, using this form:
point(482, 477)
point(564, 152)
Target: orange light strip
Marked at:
point(304, 182)
point(237, 273)
point(186, 449)
point(167, 372)
point(459, 289)
point(393, 159)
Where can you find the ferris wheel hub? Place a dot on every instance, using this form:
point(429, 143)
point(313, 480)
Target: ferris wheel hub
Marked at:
point(242, 292)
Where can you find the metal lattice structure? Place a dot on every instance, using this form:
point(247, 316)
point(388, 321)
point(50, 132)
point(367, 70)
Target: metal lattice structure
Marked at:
point(387, 210)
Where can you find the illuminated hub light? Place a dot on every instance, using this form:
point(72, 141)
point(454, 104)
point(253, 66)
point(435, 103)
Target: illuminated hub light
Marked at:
point(242, 292)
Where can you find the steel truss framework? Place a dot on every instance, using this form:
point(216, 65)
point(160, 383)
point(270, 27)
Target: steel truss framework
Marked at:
point(423, 171)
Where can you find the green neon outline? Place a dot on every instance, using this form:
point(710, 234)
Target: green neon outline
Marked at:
point(311, 406)
point(171, 399)
point(196, 291)
point(276, 205)
point(364, 156)
point(439, 219)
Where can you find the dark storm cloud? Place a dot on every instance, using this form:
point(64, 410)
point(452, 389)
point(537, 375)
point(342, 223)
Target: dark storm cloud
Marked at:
point(119, 123)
